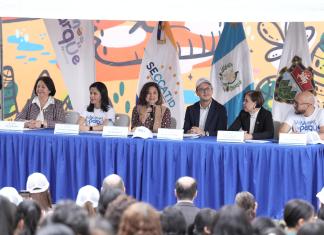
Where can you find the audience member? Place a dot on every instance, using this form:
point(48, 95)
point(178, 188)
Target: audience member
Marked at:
point(11, 194)
point(99, 112)
point(7, 216)
point(297, 213)
point(247, 202)
point(106, 197)
point(203, 224)
point(255, 120)
point(28, 215)
point(232, 220)
point(307, 117)
point(100, 226)
point(186, 192)
point(273, 231)
point(173, 222)
point(38, 186)
point(316, 228)
point(140, 218)
point(206, 116)
point(150, 111)
point(42, 110)
point(261, 224)
point(55, 229)
point(88, 197)
point(113, 181)
point(116, 209)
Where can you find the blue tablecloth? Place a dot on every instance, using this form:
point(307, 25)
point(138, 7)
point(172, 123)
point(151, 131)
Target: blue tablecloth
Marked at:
point(273, 173)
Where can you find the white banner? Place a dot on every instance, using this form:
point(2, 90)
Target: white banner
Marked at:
point(73, 43)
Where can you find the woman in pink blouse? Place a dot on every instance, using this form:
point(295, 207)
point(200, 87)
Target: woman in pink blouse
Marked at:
point(149, 111)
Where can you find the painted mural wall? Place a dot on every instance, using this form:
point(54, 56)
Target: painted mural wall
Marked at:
point(119, 46)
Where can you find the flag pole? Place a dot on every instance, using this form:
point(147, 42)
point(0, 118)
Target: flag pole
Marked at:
point(1, 80)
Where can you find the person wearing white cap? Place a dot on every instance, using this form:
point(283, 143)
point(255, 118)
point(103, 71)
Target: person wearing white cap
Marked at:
point(11, 194)
point(88, 197)
point(206, 116)
point(38, 186)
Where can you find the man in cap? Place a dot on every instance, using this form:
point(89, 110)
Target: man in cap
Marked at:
point(206, 116)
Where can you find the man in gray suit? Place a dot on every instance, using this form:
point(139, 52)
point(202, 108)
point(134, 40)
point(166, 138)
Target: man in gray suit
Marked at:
point(186, 192)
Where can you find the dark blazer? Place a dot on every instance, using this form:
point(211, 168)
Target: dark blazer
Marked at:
point(189, 211)
point(263, 128)
point(216, 118)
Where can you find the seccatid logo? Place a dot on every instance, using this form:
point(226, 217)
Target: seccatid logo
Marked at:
point(229, 78)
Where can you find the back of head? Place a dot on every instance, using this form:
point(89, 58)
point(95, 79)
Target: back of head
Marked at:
point(11, 194)
point(113, 181)
point(55, 229)
point(232, 220)
point(273, 231)
point(204, 220)
point(43, 199)
point(186, 188)
point(106, 197)
point(295, 210)
point(140, 218)
point(316, 228)
point(260, 224)
point(88, 197)
point(98, 225)
point(320, 214)
point(7, 216)
point(173, 221)
point(30, 213)
point(116, 209)
point(75, 217)
point(246, 201)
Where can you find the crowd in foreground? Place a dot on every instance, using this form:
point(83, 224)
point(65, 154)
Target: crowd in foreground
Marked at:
point(111, 211)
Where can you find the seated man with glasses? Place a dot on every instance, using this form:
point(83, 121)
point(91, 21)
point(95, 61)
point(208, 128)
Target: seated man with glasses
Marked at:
point(206, 116)
point(307, 116)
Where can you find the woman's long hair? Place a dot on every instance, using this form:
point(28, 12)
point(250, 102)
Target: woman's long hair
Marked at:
point(105, 101)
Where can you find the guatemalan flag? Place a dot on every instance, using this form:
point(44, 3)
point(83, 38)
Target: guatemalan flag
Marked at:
point(160, 64)
point(231, 73)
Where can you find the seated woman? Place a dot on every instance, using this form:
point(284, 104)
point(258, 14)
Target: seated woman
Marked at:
point(254, 119)
point(43, 110)
point(149, 111)
point(99, 112)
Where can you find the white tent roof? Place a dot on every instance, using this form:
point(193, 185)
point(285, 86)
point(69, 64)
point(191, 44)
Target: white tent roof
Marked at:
point(175, 10)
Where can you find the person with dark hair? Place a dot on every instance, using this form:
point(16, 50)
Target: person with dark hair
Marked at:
point(255, 120)
point(173, 222)
point(261, 224)
point(100, 226)
point(207, 116)
point(247, 202)
point(7, 216)
point(232, 220)
point(297, 213)
point(68, 213)
point(28, 215)
point(320, 213)
point(140, 218)
point(204, 221)
point(316, 228)
point(43, 110)
point(186, 192)
point(150, 111)
point(99, 112)
point(116, 209)
point(273, 231)
point(106, 197)
point(55, 229)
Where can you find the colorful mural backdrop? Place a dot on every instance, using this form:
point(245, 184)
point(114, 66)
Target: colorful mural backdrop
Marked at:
point(119, 47)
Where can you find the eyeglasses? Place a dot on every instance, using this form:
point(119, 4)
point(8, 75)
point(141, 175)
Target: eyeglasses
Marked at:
point(204, 90)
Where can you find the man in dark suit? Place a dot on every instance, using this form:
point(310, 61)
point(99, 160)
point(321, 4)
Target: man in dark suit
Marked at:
point(206, 116)
point(186, 192)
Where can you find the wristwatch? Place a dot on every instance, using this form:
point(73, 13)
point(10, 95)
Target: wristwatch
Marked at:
point(206, 133)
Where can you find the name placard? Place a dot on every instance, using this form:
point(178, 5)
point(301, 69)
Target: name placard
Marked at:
point(230, 136)
point(292, 139)
point(115, 131)
point(66, 129)
point(11, 126)
point(171, 134)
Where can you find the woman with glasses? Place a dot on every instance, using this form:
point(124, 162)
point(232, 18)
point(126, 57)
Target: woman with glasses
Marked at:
point(255, 120)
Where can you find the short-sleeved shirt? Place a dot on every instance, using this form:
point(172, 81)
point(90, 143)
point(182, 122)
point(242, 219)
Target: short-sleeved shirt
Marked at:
point(302, 124)
point(98, 116)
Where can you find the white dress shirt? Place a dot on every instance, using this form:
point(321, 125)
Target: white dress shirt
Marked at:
point(253, 117)
point(203, 116)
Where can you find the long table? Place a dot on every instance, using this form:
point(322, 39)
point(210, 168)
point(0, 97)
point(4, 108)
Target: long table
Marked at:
point(273, 173)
